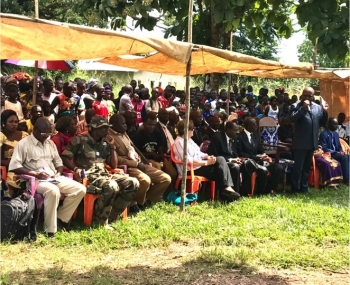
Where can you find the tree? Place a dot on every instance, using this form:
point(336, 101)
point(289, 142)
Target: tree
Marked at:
point(55, 10)
point(306, 54)
point(213, 20)
point(328, 22)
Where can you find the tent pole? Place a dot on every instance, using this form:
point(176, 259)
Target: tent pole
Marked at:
point(187, 113)
point(229, 82)
point(35, 79)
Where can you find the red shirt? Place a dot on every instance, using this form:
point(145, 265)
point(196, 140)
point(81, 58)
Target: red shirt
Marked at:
point(164, 102)
point(61, 141)
point(100, 108)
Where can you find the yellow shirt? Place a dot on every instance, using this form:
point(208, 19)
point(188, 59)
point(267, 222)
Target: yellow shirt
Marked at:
point(30, 126)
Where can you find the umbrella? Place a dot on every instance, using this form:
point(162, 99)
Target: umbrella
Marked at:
point(44, 64)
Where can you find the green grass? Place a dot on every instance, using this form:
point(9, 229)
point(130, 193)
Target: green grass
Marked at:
point(304, 231)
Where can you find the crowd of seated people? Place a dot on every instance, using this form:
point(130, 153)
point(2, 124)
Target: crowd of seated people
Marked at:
point(81, 128)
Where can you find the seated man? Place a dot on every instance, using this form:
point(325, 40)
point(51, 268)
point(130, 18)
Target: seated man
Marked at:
point(198, 133)
point(225, 144)
point(90, 152)
point(248, 146)
point(132, 126)
point(150, 142)
point(329, 140)
point(153, 182)
point(213, 128)
point(37, 156)
point(173, 120)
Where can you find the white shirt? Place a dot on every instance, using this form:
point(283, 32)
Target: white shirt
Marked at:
point(249, 135)
point(50, 99)
point(273, 113)
point(35, 156)
point(193, 153)
point(343, 131)
point(125, 104)
point(17, 107)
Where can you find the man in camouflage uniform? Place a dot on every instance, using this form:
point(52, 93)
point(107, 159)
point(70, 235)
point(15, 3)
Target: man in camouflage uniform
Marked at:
point(90, 152)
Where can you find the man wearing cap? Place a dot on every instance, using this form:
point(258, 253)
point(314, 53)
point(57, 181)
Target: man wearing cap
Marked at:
point(90, 152)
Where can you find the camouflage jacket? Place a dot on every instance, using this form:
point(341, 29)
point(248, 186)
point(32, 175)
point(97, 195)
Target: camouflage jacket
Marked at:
point(86, 152)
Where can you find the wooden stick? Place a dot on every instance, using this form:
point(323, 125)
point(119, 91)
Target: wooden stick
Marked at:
point(187, 113)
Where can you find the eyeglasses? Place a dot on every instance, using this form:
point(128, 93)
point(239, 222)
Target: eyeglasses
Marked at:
point(45, 134)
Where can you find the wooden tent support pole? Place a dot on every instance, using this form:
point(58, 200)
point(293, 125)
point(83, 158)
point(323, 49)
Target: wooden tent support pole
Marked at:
point(187, 113)
point(229, 81)
point(187, 118)
point(35, 79)
point(35, 82)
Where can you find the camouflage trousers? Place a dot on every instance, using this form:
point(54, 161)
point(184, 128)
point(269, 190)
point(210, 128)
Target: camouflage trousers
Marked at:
point(117, 193)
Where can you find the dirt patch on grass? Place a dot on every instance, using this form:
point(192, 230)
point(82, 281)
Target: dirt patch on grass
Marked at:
point(177, 264)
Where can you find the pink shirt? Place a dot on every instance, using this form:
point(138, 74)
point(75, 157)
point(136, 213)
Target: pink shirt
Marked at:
point(138, 109)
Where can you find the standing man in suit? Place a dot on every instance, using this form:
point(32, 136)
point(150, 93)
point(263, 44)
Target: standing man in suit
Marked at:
point(225, 144)
point(153, 182)
point(248, 146)
point(307, 117)
point(329, 140)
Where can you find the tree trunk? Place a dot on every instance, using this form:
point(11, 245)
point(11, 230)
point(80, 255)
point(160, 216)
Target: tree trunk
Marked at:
point(215, 33)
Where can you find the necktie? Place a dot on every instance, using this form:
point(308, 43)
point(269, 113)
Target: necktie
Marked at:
point(333, 145)
point(252, 140)
point(230, 145)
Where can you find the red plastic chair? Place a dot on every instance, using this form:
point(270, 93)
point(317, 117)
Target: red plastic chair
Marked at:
point(89, 199)
point(195, 180)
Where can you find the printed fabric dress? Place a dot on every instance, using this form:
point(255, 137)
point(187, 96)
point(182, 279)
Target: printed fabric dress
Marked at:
point(330, 169)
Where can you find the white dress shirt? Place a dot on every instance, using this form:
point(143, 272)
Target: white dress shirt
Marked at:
point(193, 153)
point(249, 136)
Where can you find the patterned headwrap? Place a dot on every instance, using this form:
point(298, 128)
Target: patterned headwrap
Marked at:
point(21, 76)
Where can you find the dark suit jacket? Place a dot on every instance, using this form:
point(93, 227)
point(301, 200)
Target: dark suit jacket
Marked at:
point(218, 146)
point(306, 126)
point(327, 144)
point(198, 135)
point(210, 133)
point(246, 149)
point(160, 130)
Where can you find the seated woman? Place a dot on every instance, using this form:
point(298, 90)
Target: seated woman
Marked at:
point(330, 169)
point(66, 128)
point(9, 138)
point(213, 168)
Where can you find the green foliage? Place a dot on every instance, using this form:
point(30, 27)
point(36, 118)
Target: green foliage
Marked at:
point(306, 54)
point(55, 10)
point(327, 20)
point(305, 231)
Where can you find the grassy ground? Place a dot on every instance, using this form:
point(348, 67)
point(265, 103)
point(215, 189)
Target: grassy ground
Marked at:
point(164, 246)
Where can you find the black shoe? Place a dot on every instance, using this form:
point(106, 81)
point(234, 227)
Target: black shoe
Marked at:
point(51, 236)
point(63, 226)
point(232, 194)
point(134, 209)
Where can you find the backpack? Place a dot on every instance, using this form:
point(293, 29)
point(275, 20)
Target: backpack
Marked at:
point(17, 218)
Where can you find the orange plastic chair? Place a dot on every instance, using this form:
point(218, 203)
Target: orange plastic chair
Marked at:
point(314, 177)
point(195, 180)
point(253, 182)
point(89, 199)
point(3, 173)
